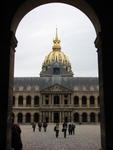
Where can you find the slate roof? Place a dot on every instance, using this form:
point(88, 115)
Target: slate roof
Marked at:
point(44, 82)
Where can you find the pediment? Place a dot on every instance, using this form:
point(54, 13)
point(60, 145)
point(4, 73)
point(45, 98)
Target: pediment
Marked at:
point(56, 88)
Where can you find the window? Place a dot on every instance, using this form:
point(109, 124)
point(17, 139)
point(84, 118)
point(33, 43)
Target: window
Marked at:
point(46, 101)
point(20, 100)
point(56, 100)
point(84, 100)
point(28, 100)
point(56, 71)
point(76, 100)
point(92, 100)
point(65, 101)
point(36, 100)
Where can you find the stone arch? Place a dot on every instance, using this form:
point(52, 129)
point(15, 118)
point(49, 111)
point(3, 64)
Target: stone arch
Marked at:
point(19, 117)
point(27, 6)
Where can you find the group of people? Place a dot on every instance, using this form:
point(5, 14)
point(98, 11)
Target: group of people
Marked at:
point(40, 125)
point(16, 132)
point(71, 129)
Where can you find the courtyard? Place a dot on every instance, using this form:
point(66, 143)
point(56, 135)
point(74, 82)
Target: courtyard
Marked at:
point(87, 137)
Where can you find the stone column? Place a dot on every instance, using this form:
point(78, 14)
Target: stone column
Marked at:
point(88, 118)
point(80, 101)
point(24, 100)
point(96, 101)
point(16, 100)
point(52, 116)
point(80, 118)
point(24, 119)
point(49, 116)
point(32, 101)
point(32, 118)
point(16, 118)
point(88, 101)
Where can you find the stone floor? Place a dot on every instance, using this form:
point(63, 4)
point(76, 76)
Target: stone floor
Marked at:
point(87, 137)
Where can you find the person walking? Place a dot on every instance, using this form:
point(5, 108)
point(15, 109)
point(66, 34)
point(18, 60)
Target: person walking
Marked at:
point(64, 129)
point(45, 126)
point(40, 126)
point(16, 142)
point(57, 130)
point(33, 126)
point(73, 128)
point(70, 129)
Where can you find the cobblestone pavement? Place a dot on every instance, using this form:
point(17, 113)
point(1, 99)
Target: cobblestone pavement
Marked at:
point(87, 137)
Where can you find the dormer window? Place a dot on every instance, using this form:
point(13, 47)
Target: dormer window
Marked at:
point(56, 71)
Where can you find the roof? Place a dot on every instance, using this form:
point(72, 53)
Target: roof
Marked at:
point(44, 82)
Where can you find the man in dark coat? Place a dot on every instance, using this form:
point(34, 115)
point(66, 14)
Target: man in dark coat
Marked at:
point(16, 141)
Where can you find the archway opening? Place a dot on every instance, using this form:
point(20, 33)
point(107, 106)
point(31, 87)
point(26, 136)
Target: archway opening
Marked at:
point(56, 115)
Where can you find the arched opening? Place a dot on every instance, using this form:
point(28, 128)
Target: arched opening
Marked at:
point(28, 100)
point(76, 100)
point(92, 117)
point(36, 100)
point(20, 100)
point(28, 118)
point(92, 100)
point(56, 101)
point(84, 117)
point(84, 100)
point(76, 117)
point(20, 117)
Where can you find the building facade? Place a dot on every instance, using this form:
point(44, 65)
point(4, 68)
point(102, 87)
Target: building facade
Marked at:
point(56, 95)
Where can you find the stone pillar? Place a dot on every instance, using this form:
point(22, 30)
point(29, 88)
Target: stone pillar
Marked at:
point(88, 101)
point(32, 118)
point(80, 119)
point(32, 101)
point(40, 115)
point(80, 101)
point(24, 118)
point(52, 117)
point(16, 100)
point(70, 98)
point(96, 101)
point(88, 118)
point(24, 101)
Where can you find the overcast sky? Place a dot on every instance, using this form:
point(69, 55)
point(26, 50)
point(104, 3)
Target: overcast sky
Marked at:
point(37, 30)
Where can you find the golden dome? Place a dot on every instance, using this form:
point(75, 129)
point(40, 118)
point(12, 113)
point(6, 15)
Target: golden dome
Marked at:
point(56, 55)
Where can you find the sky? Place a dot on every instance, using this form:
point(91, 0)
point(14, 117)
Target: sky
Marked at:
point(35, 34)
